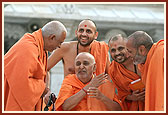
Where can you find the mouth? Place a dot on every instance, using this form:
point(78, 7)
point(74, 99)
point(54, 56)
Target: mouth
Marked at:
point(119, 57)
point(84, 38)
point(82, 71)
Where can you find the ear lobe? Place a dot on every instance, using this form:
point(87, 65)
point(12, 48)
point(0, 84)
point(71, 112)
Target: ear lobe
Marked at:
point(96, 35)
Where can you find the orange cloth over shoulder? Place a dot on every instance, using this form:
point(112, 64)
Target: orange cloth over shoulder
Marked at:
point(100, 52)
point(70, 86)
point(152, 73)
point(24, 74)
point(121, 78)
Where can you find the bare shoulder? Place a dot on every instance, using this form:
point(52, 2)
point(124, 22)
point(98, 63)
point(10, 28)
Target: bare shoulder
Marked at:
point(65, 46)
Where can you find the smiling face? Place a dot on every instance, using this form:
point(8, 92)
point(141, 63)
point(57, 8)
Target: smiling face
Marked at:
point(84, 66)
point(86, 32)
point(118, 50)
point(134, 54)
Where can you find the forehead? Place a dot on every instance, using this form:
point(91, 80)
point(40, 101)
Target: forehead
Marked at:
point(117, 43)
point(87, 24)
point(84, 58)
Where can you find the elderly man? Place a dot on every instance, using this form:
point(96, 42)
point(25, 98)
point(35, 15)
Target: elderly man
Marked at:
point(25, 67)
point(79, 91)
point(122, 72)
point(86, 34)
point(150, 57)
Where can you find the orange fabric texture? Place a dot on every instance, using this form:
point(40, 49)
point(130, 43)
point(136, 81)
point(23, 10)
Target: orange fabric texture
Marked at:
point(71, 85)
point(24, 73)
point(100, 52)
point(122, 78)
point(152, 73)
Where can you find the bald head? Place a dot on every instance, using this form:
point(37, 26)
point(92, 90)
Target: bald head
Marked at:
point(116, 37)
point(88, 22)
point(86, 55)
point(54, 33)
point(139, 38)
point(85, 66)
point(52, 28)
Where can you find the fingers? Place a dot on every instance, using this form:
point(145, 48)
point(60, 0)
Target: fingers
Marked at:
point(102, 77)
point(93, 92)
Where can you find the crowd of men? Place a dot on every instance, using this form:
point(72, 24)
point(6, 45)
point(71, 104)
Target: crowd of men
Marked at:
point(90, 78)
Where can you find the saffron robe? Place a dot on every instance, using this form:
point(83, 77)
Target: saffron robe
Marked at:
point(152, 73)
point(24, 73)
point(71, 85)
point(100, 52)
point(121, 78)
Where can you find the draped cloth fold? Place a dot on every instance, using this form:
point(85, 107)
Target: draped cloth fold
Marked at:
point(71, 85)
point(121, 78)
point(152, 73)
point(24, 73)
point(100, 52)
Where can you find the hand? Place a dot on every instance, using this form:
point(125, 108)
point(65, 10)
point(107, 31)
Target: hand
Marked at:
point(98, 80)
point(137, 95)
point(45, 92)
point(94, 92)
point(46, 97)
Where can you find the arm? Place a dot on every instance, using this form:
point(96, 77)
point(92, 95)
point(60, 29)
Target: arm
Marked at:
point(74, 100)
point(57, 55)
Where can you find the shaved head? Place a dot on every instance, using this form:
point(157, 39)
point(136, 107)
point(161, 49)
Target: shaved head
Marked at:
point(90, 22)
point(52, 28)
point(85, 66)
point(140, 38)
point(54, 33)
point(86, 55)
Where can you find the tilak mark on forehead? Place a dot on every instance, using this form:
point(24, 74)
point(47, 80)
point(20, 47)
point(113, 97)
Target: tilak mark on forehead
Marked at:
point(85, 25)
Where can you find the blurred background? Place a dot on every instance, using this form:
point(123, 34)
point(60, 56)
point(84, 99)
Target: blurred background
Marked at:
point(111, 19)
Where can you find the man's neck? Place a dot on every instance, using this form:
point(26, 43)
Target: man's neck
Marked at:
point(83, 48)
point(128, 64)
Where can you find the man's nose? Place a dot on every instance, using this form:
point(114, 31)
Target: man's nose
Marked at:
point(84, 33)
point(81, 65)
point(117, 52)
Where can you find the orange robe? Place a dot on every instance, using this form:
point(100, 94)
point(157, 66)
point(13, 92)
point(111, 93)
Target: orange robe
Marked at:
point(152, 73)
point(122, 78)
point(24, 73)
point(100, 52)
point(71, 85)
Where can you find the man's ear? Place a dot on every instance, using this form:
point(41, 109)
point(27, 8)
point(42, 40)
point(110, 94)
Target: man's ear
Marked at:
point(51, 37)
point(94, 68)
point(142, 50)
point(96, 35)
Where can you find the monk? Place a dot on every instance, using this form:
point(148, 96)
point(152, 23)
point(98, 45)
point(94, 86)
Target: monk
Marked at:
point(86, 34)
point(150, 57)
point(79, 91)
point(25, 67)
point(122, 72)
